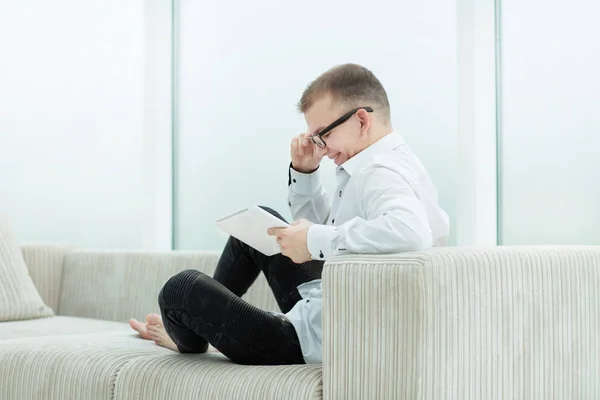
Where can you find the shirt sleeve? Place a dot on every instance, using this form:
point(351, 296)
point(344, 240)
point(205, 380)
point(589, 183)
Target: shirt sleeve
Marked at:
point(306, 197)
point(392, 219)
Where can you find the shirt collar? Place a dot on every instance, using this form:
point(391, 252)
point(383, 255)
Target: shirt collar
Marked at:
point(384, 145)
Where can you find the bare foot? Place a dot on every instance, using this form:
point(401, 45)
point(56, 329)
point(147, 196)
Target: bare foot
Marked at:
point(139, 327)
point(157, 332)
point(150, 331)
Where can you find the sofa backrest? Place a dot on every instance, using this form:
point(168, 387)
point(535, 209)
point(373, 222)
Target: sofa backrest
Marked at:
point(116, 286)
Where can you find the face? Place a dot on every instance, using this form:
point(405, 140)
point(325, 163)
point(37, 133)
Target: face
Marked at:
point(347, 139)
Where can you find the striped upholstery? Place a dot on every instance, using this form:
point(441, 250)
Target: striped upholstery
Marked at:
point(67, 357)
point(456, 323)
point(45, 263)
point(212, 376)
point(117, 286)
point(69, 366)
point(118, 365)
point(19, 299)
point(499, 323)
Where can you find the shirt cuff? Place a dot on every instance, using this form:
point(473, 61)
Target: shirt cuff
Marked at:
point(304, 184)
point(320, 240)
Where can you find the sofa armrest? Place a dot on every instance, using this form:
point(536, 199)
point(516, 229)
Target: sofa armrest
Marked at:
point(45, 265)
point(463, 323)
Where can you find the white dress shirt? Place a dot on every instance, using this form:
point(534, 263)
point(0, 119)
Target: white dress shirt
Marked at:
point(385, 202)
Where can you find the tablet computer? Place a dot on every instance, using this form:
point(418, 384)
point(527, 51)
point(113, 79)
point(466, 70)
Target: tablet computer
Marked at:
point(250, 225)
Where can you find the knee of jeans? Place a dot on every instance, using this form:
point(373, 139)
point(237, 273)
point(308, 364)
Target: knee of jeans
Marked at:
point(273, 212)
point(176, 288)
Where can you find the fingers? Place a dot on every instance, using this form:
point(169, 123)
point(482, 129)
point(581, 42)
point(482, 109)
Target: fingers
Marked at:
point(306, 142)
point(275, 231)
point(301, 145)
point(278, 232)
point(305, 156)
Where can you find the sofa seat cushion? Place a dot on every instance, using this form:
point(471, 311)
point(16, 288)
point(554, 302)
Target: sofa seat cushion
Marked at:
point(213, 376)
point(82, 366)
point(58, 326)
point(118, 364)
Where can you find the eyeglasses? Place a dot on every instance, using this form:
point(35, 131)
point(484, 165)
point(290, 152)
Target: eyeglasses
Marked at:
point(318, 138)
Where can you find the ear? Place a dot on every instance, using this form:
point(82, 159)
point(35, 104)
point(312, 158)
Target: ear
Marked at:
point(365, 120)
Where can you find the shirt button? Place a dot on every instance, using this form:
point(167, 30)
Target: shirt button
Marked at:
point(293, 180)
point(289, 203)
point(340, 193)
point(333, 221)
point(321, 254)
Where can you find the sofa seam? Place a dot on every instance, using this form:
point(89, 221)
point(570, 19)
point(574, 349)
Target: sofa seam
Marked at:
point(116, 375)
point(67, 251)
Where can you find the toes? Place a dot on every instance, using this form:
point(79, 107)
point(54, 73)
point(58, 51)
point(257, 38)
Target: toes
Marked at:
point(139, 327)
point(153, 319)
point(152, 330)
point(135, 324)
point(156, 335)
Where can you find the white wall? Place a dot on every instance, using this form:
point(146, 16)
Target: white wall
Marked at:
point(71, 121)
point(243, 66)
point(550, 130)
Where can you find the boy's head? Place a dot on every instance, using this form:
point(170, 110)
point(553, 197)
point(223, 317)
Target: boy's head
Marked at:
point(352, 98)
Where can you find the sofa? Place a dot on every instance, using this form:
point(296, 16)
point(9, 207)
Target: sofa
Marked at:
point(448, 323)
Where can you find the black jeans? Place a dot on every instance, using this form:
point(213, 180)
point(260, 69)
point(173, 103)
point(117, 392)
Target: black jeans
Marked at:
point(198, 310)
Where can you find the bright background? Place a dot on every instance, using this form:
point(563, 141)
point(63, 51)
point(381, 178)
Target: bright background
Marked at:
point(71, 121)
point(242, 71)
point(550, 129)
point(136, 123)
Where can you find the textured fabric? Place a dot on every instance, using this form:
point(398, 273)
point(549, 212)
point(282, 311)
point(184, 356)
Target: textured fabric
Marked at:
point(116, 286)
point(212, 376)
point(19, 298)
point(68, 367)
point(197, 310)
point(501, 323)
point(45, 263)
point(53, 326)
point(118, 365)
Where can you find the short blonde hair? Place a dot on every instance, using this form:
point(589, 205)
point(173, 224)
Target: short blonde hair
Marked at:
point(350, 84)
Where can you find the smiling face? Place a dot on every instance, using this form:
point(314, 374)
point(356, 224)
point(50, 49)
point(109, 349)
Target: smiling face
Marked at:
point(345, 140)
point(338, 91)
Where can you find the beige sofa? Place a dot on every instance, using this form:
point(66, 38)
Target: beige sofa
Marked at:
point(501, 323)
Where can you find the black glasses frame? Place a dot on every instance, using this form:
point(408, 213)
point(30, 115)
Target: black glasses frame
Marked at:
point(318, 138)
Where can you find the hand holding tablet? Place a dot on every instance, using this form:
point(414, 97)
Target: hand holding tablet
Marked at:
point(250, 225)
